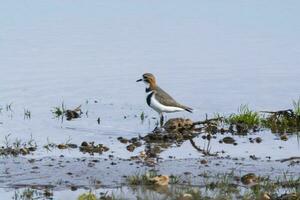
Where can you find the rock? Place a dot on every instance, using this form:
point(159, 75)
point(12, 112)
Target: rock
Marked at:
point(73, 188)
point(228, 140)
point(24, 151)
point(123, 140)
point(62, 146)
point(91, 148)
point(258, 140)
point(162, 180)
point(73, 114)
point(143, 154)
point(130, 147)
point(31, 148)
point(72, 146)
point(203, 162)
point(186, 196)
point(178, 125)
point(249, 178)
point(284, 137)
point(84, 144)
point(265, 196)
point(137, 144)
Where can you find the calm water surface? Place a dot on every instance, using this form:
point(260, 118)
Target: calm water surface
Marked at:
point(212, 56)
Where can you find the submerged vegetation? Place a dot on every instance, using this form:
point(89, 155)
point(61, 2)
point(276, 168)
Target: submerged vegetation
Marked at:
point(225, 186)
point(244, 120)
point(296, 105)
point(283, 121)
point(17, 147)
point(61, 112)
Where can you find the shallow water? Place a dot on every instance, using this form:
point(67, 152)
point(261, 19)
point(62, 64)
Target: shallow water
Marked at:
point(210, 56)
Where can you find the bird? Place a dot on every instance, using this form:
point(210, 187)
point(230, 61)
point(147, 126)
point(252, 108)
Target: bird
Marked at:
point(159, 100)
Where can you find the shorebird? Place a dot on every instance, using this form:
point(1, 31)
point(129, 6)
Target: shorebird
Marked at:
point(159, 100)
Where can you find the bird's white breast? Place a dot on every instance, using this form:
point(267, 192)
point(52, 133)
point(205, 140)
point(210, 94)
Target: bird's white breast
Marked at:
point(158, 107)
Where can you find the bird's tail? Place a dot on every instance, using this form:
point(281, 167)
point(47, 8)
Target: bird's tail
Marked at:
point(188, 109)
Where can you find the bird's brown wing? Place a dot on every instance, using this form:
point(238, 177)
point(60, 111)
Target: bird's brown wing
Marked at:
point(165, 99)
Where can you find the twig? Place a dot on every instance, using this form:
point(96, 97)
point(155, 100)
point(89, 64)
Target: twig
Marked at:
point(289, 159)
point(207, 121)
point(280, 112)
point(201, 150)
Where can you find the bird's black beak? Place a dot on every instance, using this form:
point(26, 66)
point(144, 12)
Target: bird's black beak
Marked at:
point(139, 80)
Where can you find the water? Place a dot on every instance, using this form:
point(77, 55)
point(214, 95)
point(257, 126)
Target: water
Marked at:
point(212, 56)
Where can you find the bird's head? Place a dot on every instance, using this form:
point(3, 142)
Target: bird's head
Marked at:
point(148, 79)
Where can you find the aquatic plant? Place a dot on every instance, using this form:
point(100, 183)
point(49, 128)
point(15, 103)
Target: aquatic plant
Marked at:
point(87, 196)
point(27, 114)
point(296, 105)
point(282, 121)
point(17, 147)
point(142, 116)
point(9, 107)
point(32, 194)
point(245, 120)
point(141, 179)
point(59, 110)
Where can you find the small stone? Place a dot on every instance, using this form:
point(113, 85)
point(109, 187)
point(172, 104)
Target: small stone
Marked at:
point(73, 188)
point(24, 151)
point(84, 144)
point(258, 140)
point(249, 179)
point(130, 147)
point(186, 196)
point(284, 137)
point(203, 162)
point(265, 196)
point(228, 140)
point(62, 146)
point(160, 180)
point(72, 146)
point(122, 140)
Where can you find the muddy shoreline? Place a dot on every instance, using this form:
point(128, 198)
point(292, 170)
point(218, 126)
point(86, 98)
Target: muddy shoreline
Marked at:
point(63, 173)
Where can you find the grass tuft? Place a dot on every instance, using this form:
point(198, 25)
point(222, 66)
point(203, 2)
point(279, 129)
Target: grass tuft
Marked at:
point(246, 119)
point(296, 105)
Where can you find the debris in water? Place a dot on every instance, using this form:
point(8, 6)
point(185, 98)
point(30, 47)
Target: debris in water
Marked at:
point(73, 114)
point(91, 148)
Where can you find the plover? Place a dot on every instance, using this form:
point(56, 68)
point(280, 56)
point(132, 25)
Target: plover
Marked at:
point(159, 100)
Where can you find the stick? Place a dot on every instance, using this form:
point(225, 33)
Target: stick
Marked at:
point(289, 159)
point(207, 121)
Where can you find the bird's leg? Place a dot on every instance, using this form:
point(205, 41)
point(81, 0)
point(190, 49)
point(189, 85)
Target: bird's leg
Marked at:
point(161, 119)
